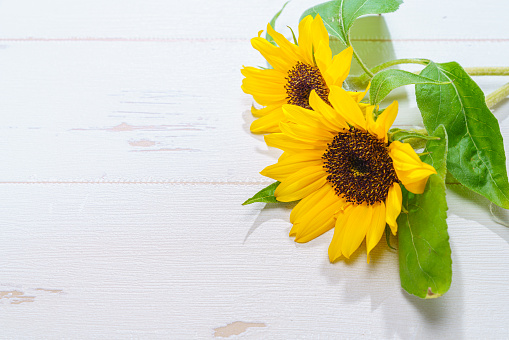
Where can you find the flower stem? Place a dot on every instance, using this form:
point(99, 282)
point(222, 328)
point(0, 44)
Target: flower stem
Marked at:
point(364, 67)
point(497, 96)
point(487, 71)
point(364, 78)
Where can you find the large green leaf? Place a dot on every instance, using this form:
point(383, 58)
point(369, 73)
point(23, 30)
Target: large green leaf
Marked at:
point(273, 24)
point(476, 149)
point(339, 15)
point(425, 265)
point(387, 80)
point(266, 195)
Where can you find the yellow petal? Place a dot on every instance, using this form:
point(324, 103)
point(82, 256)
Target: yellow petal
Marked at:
point(300, 115)
point(346, 107)
point(357, 96)
point(330, 117)
point(339, 68)
point(272, 54)
point(291, 164)
point(307, 134)
point(264, 111)
point(393, 207)
point(384, 121)
point(309, 202)
point(305, 39)
point(301, 184)
point(323, 57)
point(320, 218)
point(289, 50)
point(319, 33)
point(267, 75)
point(376, 227)
point(411, 171)
point(268, 123)
point(286, 143)
point(339, 231)
point(356, 227)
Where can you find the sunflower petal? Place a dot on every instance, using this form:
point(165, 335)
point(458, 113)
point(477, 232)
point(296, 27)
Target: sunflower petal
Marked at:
point(357, 96)
point(339, 231)
point(393, 207)
point(323, 57)
point(309, 202)
point(411, 171)
point(300, 115)
point(320, 218)
point(384, 121)
point(306, 133)
point(305, 39)
point(286, 143)
point(272, 54)
point(346, 107)
point(268, 123)
point(291, 51)
point(376, 227)
point(340, 66)
point(330, 117)
point(356, 227)
point(301, 184)
point(291, 164)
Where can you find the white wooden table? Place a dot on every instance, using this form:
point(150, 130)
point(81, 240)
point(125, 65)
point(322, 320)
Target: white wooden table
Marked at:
point(126, 154)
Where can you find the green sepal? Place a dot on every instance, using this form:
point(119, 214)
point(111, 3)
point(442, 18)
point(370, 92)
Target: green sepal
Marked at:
point(272, 23)
point(266, 195)
point(425, 264)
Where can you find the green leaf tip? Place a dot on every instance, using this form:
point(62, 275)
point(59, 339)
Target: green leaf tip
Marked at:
point(339, 15)
point(424, 251)
point(266, 195)
point(476, 148)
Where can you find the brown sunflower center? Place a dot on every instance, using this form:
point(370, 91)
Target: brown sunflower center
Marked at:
point(359, 167)
point(301, 80)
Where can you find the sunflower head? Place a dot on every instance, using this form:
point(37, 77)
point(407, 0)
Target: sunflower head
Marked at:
point(337, 161)
point(297, 70)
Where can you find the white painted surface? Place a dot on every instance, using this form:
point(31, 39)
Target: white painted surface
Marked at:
point(126, 155)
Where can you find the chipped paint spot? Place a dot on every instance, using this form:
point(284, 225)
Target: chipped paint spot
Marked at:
point(144, 143)
point(235, 328)
point(16, 297)
point(54, 291)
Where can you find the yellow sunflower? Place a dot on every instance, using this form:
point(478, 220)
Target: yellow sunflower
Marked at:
point(297, 70)
point(338, 162)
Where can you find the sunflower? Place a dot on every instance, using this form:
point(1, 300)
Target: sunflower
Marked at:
point(338, 162)
point(296, 71)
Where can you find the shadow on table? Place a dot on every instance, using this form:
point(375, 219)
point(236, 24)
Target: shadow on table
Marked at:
point(405, 316)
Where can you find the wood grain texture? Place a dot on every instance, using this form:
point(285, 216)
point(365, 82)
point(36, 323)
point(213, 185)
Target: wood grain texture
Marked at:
point(126, 155)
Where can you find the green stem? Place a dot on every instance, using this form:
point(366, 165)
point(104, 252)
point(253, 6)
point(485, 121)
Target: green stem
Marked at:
point(498, 95)
point(487, 71)
point(364, 78)
point(364, 67)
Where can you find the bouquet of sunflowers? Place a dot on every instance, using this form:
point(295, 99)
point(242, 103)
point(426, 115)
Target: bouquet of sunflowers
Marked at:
point(345, 165)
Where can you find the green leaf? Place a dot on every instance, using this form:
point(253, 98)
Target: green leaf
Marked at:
point(476, 149)
point(273, 24)
point(339, 15)
point(425, 265)
point(387, 80)
point(266, 195)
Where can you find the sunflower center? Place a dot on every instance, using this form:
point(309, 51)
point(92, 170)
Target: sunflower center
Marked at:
point(359, 167)
point(301, 80)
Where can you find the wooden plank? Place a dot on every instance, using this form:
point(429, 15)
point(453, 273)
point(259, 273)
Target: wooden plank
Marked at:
point(159, 261)
point(122, 111)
